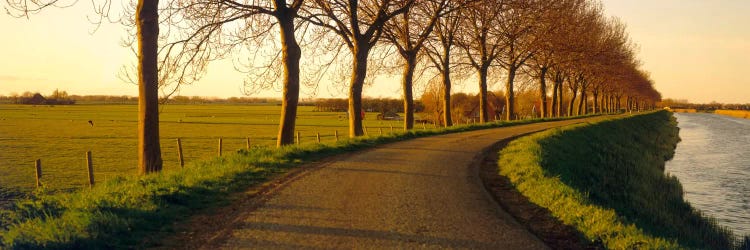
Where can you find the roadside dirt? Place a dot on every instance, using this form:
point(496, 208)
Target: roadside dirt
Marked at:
point(536, 219)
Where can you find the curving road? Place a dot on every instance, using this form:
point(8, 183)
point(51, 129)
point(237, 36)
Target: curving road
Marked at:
point(421, 193)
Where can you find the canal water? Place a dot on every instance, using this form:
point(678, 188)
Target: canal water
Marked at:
point(713, 164)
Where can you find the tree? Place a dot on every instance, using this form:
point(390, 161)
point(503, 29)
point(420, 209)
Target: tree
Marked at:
point(149, 150)
point(408, 33)
point(439, 51)
point(432, 101)
point(201, 31)
point(146, 21)
point(482, 46)
point(517, 27)
point(360, 25)
point(555, 37)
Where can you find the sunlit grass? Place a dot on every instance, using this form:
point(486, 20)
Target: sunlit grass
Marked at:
point(126, 210)
point(60, 136)
point(607, 179)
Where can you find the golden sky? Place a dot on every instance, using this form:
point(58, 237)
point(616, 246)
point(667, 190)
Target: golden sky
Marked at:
point(695, 49)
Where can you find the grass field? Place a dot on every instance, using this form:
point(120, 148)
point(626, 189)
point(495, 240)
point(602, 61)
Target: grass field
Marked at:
point(60, 136)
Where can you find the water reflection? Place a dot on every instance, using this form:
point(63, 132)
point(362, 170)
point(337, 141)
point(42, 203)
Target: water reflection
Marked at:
point(713, 166)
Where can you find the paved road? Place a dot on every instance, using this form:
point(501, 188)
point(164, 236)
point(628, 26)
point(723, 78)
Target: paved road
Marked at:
point(422, 193)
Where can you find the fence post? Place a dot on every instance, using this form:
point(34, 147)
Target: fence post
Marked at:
point(381, 131)
point(298, 138)
point(179, 153)
point(38, 165)
point(423, 126)
point(220, 142)
point(248, 143)
point(336, 134)
point(391, 128)
point(317, 135)
point(364, 129)
point(90, 166)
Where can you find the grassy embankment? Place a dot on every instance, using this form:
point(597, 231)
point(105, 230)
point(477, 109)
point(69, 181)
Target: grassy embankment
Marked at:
point(607, 179)
point(131, 211)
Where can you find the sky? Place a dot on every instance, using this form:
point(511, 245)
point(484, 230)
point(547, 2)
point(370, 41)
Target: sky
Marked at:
point(697, 50)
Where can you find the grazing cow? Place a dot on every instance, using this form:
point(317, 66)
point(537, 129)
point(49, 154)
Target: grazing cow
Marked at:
point(91, 123)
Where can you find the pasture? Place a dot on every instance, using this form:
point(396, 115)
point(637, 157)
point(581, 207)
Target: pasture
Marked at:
point(61, 135)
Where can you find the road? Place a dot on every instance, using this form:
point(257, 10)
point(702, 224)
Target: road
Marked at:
point(421, 193)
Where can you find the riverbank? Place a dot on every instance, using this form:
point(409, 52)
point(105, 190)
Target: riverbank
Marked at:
point(712, 165)
point(612, 186)
point(728, 112)
point(734, 113)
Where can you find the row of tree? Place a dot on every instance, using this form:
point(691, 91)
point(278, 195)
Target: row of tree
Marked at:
point(685, 104)
point(568, 42)
point(56, 98)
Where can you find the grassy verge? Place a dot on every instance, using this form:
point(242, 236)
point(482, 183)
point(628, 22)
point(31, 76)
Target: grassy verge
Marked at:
point(125, 211)
point(607, 180)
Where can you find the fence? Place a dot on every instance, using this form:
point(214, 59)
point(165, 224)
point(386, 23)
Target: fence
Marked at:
point(300, 138)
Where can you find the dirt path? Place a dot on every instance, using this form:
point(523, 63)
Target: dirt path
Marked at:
point(421, 193)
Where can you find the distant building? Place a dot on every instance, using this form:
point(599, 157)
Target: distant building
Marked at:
point(38, 99)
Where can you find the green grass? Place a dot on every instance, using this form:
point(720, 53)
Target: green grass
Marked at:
point(60, 136)
point(607, 179)
point(130, 211)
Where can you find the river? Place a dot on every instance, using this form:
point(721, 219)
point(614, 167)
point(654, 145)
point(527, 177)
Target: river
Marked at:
point(713, 164)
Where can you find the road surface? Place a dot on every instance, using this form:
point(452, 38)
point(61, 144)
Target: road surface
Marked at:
point(421, 193)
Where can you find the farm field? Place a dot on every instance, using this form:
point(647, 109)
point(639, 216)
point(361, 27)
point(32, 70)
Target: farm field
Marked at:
point(61, 135)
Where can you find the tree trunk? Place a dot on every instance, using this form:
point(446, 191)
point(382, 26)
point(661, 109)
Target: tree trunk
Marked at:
point(447, 88)
point(406, 84)
point(597, 109)
point(149, 150)
point(509, 97)
point(571, 105)
point(585, 101)
point(560, 98)
point(553, 110)
point(291, 54)
point(582, 103)
point(618, 103)
point(359, 72)
point(483, 94)
point(637, 104)
point(543, 92)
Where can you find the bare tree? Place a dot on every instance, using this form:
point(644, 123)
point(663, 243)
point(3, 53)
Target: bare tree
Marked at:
point(481, 44)
point(200, 31)
point(517, 27)
point(360, 25)
point(408, 33)
point(439, 50)
point(555, 38)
